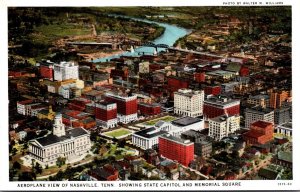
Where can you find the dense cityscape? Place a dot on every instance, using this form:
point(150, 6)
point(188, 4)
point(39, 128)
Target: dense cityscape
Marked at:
point(150, 93)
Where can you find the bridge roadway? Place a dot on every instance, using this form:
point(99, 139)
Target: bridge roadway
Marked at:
point(147, 44)
point(150, 44)
point(196, 52)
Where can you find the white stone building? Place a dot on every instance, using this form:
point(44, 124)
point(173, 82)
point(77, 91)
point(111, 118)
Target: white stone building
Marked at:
point(71, 144)
point(257, 113)
point(147, 138)
point(184, 124)
point(222, 126)
point(65, 70)
point(188, 102)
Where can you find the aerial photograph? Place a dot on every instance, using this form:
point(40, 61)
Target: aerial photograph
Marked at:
point(150, 93)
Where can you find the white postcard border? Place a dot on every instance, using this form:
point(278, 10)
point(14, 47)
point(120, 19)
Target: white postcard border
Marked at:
point(245, 185)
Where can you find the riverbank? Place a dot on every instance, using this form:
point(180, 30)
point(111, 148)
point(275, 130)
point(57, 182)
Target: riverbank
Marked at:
point(170, 35)
point(99, 55)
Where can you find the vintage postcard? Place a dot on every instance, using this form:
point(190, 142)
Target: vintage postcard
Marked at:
point(177, 96)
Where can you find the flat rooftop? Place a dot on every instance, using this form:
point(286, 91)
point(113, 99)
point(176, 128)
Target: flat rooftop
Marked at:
point(286, 126)
point(105, 103)
point(149, 104)
point(150, 133)
point(221, 101)
point(262, 124)
point(259, 110)
point(221, 118)
point(176, 139)
point(259, 97)
point(220, 73)
point(81, 99)
point(47, 63)
point(188, 92)
point(93, 93)
point(193, 133)
point(185, 121)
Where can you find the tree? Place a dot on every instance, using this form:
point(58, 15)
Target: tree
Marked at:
point(43, 133)
point(12, 143)
point(111, 159)
point(118, 152)
point(12, 173)
point(94, 136)
point(16, 165)
point(102, 141)
point(32, 164)
point(30, 135)
point(59, 176)
point(25, 146)
point(60, 161)
point(102, 150)
point(14, 151)
point(69, 173)
point(38, 168)
point(121, 143)
point(95, 148)
point(114, 139)
point(235, 155)
point(287, 175)
point(27, 176)
point(108, 146)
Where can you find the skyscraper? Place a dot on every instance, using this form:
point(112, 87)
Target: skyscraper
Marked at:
point(175, 148)
point(216, 106)
point(106, 114)
point(188, 102)
point(222, 126)
point(126, 106)
point(65, 70)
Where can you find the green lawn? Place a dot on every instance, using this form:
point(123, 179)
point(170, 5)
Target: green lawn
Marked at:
point(154, 121)
point(117, 152)
point(117, 133)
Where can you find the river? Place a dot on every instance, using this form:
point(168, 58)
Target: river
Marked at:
point(169, 37)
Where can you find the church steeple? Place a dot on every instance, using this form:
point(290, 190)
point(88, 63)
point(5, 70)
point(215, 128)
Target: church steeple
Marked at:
point(58, 127)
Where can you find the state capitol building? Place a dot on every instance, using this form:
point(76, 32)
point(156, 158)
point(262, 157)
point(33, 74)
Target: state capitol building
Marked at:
point(71, 144)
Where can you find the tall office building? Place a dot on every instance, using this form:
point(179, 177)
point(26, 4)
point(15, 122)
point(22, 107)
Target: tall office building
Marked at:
point(46, 69)
point(188, 102)
point(277, 97)
point(177, 149)
point(257, 113)
point(65, 70)
point(216, 106)
point(126, 106)
point(282, 115)
point(106, 114)
point(222, 126)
